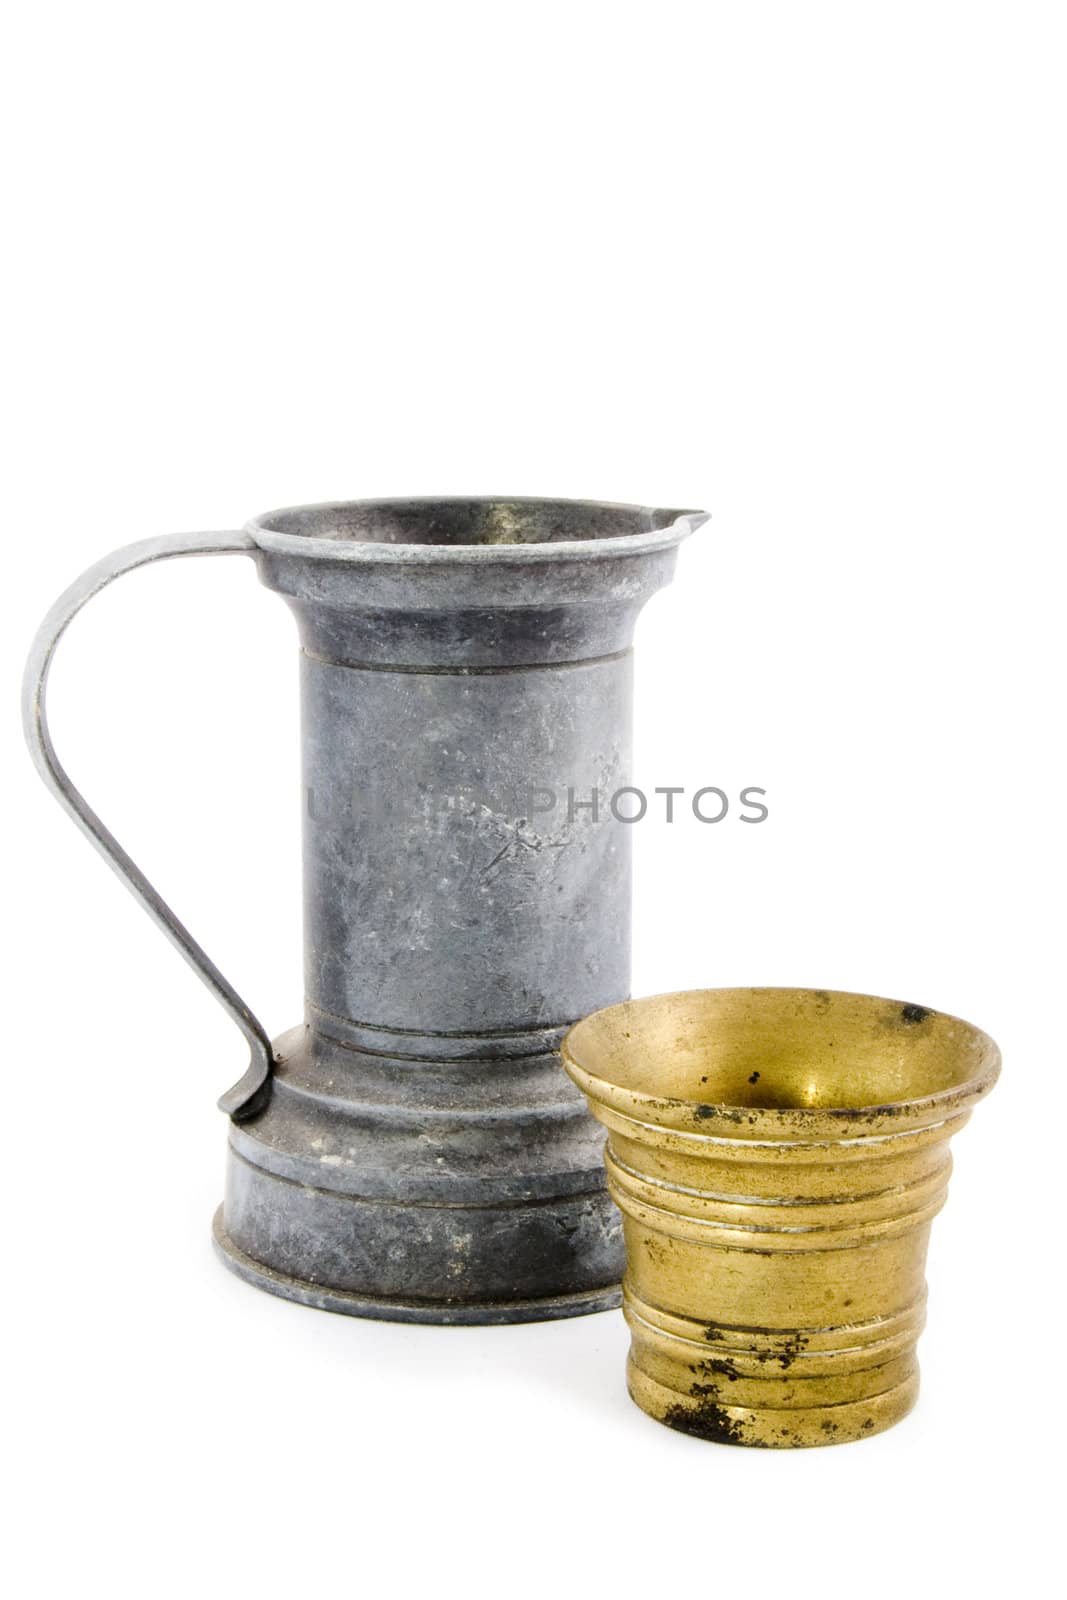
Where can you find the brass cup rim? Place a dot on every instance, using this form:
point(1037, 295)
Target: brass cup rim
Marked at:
point(779, 1064)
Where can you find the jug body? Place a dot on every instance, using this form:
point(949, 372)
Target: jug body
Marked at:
point(465, 877)
point(466, 725)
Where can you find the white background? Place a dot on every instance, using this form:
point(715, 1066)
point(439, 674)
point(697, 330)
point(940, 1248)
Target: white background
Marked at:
point(802, 264)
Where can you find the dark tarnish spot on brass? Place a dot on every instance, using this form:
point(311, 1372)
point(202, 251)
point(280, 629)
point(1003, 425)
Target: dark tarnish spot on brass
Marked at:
point(791, 1350)
point(821, 998)
point(786, 1353)
point(706, 1421)
point(914, 1013)
point(722, 1369)
point(725, 1114)
point(657, 1251)
point(865, 1113)
point(753, 1077)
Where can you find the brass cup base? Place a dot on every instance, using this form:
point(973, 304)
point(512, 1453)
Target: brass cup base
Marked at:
point(767, 1428)
point(774, 1388)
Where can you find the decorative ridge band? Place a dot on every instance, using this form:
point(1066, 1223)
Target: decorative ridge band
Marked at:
point(465, 669)
point(786, 1211)
point(817, 1146)
point(399, 1112)
point(714, 1233)
point(647, 1183)
point(344, 1178)
point(783, 1346)
point(771, 1387)
point(431, 1046)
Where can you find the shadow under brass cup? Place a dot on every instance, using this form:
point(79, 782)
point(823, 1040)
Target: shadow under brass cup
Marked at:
point(778, 1156)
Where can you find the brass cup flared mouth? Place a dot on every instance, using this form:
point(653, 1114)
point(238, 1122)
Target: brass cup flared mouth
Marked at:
point(778, 1156)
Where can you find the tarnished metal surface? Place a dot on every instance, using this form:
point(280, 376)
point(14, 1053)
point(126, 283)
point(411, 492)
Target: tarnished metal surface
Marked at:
point(416, 1152)
point(778, 1156)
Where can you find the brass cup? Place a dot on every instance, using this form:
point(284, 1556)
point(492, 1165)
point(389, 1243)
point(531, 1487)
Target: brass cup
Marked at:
point(778, 1156)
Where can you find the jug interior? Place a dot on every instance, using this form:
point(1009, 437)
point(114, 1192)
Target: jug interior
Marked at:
point(468, 521)
point(778, 1049)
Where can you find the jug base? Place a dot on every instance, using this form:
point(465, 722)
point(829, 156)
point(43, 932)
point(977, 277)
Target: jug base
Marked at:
point(471, 1314)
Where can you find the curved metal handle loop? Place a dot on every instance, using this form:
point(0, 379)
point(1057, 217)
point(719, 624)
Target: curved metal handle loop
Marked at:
point(248, 1095)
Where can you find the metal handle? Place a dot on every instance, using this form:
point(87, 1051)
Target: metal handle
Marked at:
point(248, 1095)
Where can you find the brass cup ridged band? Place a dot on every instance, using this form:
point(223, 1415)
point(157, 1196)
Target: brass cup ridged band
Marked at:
point(771, 1299)
point(751, 1386)
point(791, 1222)
point(808, 1295)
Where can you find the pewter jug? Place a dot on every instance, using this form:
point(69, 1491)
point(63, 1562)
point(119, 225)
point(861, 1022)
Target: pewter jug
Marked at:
point(413, 1149)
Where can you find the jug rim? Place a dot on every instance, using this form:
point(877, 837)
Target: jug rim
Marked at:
point(657, 528)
